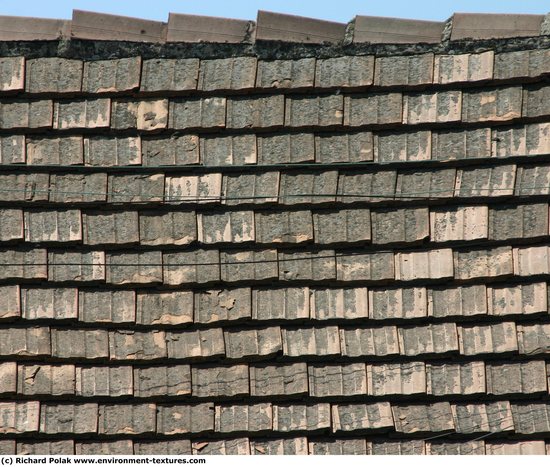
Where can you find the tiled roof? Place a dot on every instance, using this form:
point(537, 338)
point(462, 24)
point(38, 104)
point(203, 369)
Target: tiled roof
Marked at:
point(286, 249)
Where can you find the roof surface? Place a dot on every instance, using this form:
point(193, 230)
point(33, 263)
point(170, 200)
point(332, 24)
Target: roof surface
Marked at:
point(331, 249)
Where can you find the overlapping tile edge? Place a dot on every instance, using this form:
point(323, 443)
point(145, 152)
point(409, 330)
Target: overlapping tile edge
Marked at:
point(342, 254)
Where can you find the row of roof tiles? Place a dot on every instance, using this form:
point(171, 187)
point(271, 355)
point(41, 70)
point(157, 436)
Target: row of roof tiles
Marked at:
point(265, 343)
point(288, 446)
point(201, 266)
point(265, 304)
point(392, 109)
point(70, 76)
point(295, 380)
point(285, 188)
point(266, 149)
point(261, 418)
point(272, 27)
point(324, 227)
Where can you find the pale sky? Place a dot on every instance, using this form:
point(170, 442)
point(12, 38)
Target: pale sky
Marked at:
point(335, 10)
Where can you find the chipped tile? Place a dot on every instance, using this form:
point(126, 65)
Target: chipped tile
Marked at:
point(200, 343)
point(178, 419)
point(279, 380)
point(164, 307)
point(126, 419)
point(144, 115)
point(226, 227)
point(244, 418)
point(216, 381)
point(317, 266)
point(520, 299)
point(492, 105)
point(254, 343)
point(212, 306)
point(409, 70)
point(111, 75)
point(49, 380)
point(82, 113)
point(198, 266)
point(407, 378)
point(135, 345)
point(285, 74)
point(434, 417)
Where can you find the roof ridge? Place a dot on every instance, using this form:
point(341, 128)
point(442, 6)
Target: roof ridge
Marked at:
point(270, 26)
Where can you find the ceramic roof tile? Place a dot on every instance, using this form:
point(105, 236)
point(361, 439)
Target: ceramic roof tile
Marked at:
point(399, 147)
point(288, 303)
point(279, 380)
point(327, 380)
point(50, 303)
point(469, 67)
point(398, 303)
point(19, 417)
point(164, 307)
point(111, 75)
point(457, 301)
point(54, 151)
point(396, 379)
point(348, 303)
point(311, 341)
point(12, 149)
point(455, 379)
point(54, 380)
point(97, 381)
point(123, 447)
point(69, 418)
point(482, 418)
point(11, 302)
point(256, 343)
point(436, 417)
point(244, 418)
point(173, 380)
point(216, 381)
point(169, 74)
point(392, 448)
point(126, 419)
point(342, 226)
point(176, 150)
point(351, 147)
point(301, 417)
point(106, 151)
point(519, 299)
point(286, 73)
point(53, 448)
point(212, 306)
point(180, 419)
point(492, 338)
point(378, 341)
point(284, 227)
